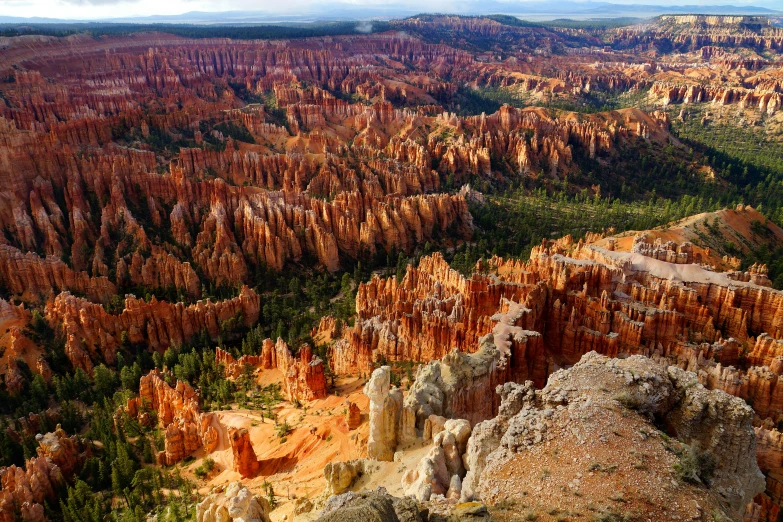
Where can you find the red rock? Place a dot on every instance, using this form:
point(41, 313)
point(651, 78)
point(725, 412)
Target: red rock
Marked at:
point(59, 457)
point(158, 324)
point(186, 429)
point(353, 416)
point(245, 460)
point(304, 374)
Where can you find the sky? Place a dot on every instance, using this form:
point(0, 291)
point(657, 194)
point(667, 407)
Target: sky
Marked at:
point(102, 9)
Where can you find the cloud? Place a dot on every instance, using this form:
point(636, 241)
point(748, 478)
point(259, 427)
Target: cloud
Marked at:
point(364, 27)
point(97, 2)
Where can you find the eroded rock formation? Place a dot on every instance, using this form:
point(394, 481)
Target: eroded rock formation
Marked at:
point(26, 489)
point(234, 503)
point(245, 460)
point(304, 374)
point(177, 409)
point(90, 330)
point(385, 409)
point(340, 476)
point(441, 472)
point(524, 320)
point(353, 416)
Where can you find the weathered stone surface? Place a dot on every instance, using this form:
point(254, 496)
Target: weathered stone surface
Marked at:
point(385, 408)
point(710, 420)
point(235, 503)
point(340, 476)
point(442, 470)
point(371, 506)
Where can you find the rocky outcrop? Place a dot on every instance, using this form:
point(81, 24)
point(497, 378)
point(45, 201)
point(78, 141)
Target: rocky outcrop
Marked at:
point(340, 476)
point(441, 471)
point(667, 251)
point(177, 409)
point(711, 421)
point(524, 320)
point(245, 461)
point(353, 416)
point(377, 506)
point(458, 385)
point(234, 503)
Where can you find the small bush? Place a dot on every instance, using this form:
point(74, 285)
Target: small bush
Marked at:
point(206, 467)
point(283, 429)
point(696, 466)
point(612, 516)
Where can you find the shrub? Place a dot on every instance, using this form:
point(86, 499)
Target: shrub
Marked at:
point(639, 401)
point(283, 429)
point(696, 466)
point(206, 467)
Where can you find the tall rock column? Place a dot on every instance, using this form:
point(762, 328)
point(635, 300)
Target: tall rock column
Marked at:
point(385, 408)
point(245, 460)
